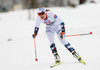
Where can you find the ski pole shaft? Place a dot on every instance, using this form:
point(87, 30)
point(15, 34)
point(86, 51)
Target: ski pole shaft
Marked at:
point(79, 34)
point(35, 50)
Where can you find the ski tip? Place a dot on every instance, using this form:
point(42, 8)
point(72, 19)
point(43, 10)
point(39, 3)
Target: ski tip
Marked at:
point(51, 66)
point(83, 62)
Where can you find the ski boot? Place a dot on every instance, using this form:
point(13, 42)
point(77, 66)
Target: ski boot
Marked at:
point(76, 55)
point(57, 58)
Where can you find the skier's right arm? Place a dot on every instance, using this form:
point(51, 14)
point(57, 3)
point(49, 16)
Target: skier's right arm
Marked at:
point(36, 27)
point(35, 32)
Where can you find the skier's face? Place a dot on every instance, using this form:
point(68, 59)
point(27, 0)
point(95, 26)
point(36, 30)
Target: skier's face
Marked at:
point(42, 15)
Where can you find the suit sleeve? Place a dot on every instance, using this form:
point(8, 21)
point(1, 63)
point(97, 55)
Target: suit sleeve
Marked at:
point(38, 21)
point(37, 25)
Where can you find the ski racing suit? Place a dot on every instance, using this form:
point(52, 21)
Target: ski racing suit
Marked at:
point(54, 24)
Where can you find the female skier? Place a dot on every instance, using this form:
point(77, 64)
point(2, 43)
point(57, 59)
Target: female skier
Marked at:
point(54, 24)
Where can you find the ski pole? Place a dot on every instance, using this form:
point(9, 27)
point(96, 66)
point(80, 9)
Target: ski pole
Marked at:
point(35, 50)
point(79, 34)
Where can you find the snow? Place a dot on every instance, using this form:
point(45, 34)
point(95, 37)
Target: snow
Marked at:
point(17, 46)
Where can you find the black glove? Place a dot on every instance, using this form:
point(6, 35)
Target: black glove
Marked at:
point(62, 34)
point(34, 35)
point(35, 32)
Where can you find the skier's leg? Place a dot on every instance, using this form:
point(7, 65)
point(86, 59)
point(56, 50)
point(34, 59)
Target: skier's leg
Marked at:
point(70, 48)
point(65, 43)
point(50, 35)
point(55, 53)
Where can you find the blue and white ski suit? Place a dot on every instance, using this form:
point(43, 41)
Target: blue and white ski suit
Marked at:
point(53, 25)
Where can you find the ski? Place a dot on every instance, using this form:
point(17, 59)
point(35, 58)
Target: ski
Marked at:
point(79, 59)
point(56, 64)
point(82, 62)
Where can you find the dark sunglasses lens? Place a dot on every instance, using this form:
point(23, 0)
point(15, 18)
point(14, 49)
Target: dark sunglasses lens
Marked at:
point(40, 13)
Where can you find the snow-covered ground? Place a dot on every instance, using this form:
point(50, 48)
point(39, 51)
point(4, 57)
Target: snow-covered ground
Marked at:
point(17, 46)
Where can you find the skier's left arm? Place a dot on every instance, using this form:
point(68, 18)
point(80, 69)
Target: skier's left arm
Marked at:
point(62, 34)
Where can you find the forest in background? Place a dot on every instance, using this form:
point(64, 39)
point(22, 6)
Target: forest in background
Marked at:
point(8, 5)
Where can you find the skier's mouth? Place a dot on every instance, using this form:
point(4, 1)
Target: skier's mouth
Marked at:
point(42, 17)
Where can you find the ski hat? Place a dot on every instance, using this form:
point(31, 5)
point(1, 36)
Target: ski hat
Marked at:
point(40, 10)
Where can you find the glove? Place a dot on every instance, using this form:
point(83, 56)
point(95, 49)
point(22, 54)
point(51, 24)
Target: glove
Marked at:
point(34, 35)
point(35, 32)
point(62, 34)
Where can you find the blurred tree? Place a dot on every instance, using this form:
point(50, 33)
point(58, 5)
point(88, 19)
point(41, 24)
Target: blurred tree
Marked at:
point(2, 2)
point(82, 1)
point(27, 3)
point(14, 2)
point(73, 3)
point(51, 3)
point(70, 4)
point(45, 3)
point(33, 4)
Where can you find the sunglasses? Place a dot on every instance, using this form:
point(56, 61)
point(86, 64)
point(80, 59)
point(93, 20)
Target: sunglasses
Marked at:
point(42, 13)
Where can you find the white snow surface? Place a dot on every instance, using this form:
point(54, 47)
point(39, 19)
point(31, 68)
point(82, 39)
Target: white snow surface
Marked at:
point(17, 45)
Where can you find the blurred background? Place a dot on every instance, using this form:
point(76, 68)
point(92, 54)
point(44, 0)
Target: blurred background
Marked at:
point(12, 5)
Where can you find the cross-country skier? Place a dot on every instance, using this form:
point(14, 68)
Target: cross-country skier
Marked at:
point(54, 24)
